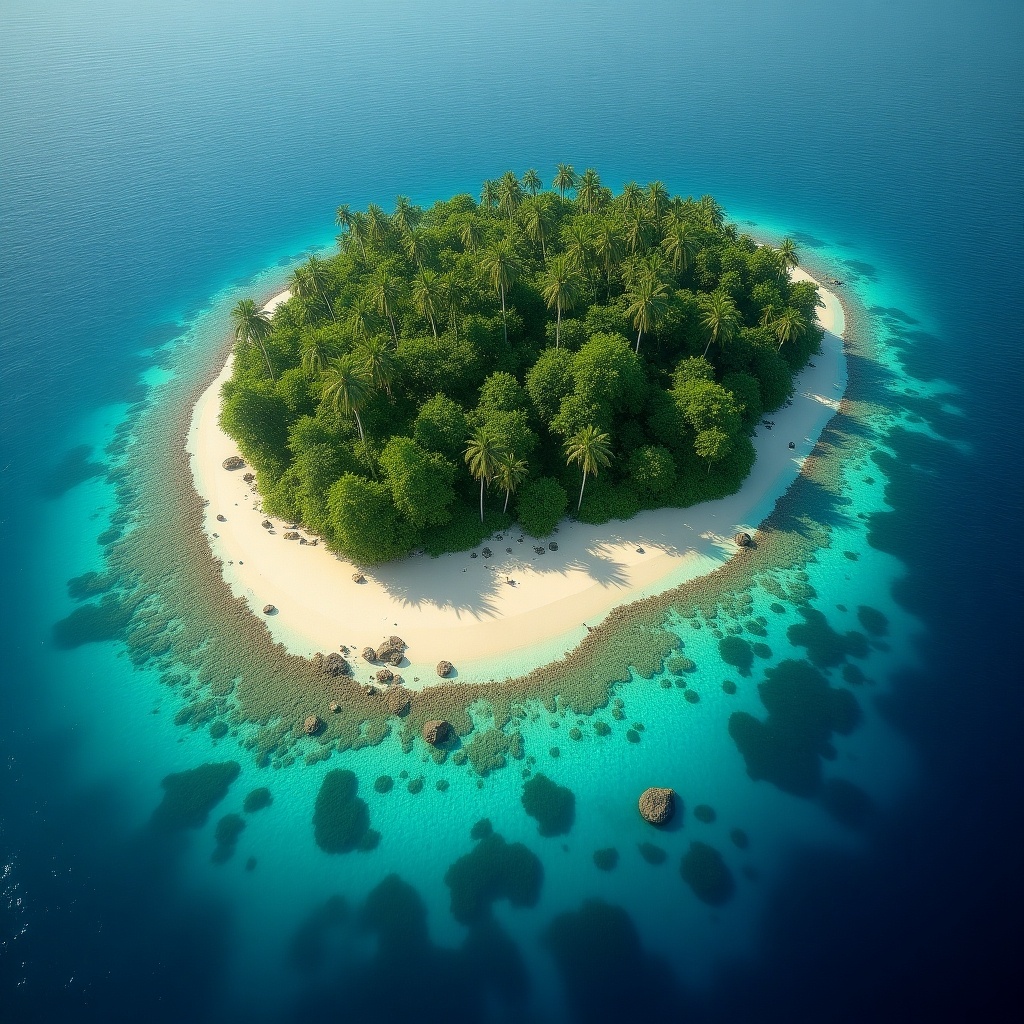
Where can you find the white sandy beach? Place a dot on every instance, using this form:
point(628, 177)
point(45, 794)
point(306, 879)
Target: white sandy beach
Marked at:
point(460, 608)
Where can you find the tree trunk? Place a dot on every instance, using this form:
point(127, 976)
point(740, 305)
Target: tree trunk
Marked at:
point(504, 318)
point(359, 424)
point(543, 247)
point(394, 330)
point(266, 359)
point(638, 335)
point(558, 326)
point(481, 499)
point(433, 326)
point(706, 347)
point(508, 494)
point(579, 504)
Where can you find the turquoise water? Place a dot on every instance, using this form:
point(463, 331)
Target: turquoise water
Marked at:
point(158, 161)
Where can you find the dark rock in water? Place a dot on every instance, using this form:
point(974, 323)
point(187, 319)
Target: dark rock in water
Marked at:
point(602, 728)
point(189, 796)
point(657, 805)
point(234, 462)
point(221, 519)
point(652, 854)
point(384, 784)
point(729, 686)
point(702, 812)
point(394, 645)
point(739, 838)
point(369, 654)
point(552, 546)
point(257, 800)
point(444, 669)
point(486, 552)
point(736, 651)
point(385, 675)
point(267, 524)
point(874, 621)
point(269, 609)
point(491, 871)
point(312, 725)
point(437, 731)
point(341, 820)
point(229, 828)
point(606, 859)
point(707, 874)
point(482, 829)
point(358, 577)
point(744, 540)
point(552, 805)
point(335, 665)
point(415, 785)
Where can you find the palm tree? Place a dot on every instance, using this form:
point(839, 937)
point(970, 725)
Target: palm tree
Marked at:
point(316, 276)
point(489, 195)
point(384, 291)
point(510, 473)
point(648, 299)
point(252, 326)
point(483, 455)
point(362, 317)
point(417, 246)
point(471, 235)
point(376, 224)
point(590, 449)
point(499, 263)
point(789, 325)
point(536, 220)
point(406, 216)
point(565, 178)
point(679, 244)
point(317, 350)
point(637, 231)
point(787, 255)
point(345, 219)
point(347, 388)
point(710, 213)
point(588, 192)
point(532, 182)
point(632, 197)
point(560, 287)
point(657, 200)
point(721, 319)
point(578, 235)
point(608, 250)
point(378, 362)
point(510, 195)
point(359, 229)
point(426, 288)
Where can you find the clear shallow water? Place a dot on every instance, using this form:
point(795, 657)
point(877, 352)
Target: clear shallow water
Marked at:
point(155, 161)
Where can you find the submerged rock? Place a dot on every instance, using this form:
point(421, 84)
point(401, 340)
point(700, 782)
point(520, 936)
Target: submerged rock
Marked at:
point(657, 805)
point(312, 725)
point(707, 874)
point(436, 732)
point(744, 540)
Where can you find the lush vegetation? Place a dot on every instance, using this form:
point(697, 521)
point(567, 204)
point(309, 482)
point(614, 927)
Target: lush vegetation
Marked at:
point(533, 353)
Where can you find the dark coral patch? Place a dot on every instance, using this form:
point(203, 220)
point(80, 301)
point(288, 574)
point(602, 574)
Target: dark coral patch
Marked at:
point(229, 828)
point(491, 871)
point(736, 652)
point(739, 838)
point(257, 800)
point(190, 796)
point(415, 785)
point(728, 686)
point(705, 813)
point(803, 712)
point(441, 785)
point(853, 675)
point(707, 874)
point(552, 805)
point(692, 696)
point(761, 650)
point(632, 735)
point(651, 853)
point(606, 859)
point(93, 623)
point(602, 728)
point(89, 584)
point(825, 647)
point(482, 829)
point(874, 622)
point(341, 819)
point(384, 784)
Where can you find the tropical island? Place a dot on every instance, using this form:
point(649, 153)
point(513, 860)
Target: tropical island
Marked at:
point(485, 369)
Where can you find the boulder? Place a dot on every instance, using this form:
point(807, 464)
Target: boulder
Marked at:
point(312, 725)
point(221, 519)
point(553, 546)
point(234, 462)
point(444, 669)
point(358, 577)
point(744, 540)
point(269, 609)
point(385, 675)
point(395, 658)
point(267, 524)
point(335, 708)
point(370, 691)
point(291, 535)
point(436, 732)
point(369, 654)
point(249, 477)
point(657, 805)
point(335, 665)
point(394, 645)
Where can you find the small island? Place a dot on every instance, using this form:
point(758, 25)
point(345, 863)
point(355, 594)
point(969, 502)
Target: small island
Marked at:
point(480, 372)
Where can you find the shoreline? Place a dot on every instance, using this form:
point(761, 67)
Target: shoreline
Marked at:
point(459, 608)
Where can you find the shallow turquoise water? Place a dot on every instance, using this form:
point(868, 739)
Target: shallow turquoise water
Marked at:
point(157, 161)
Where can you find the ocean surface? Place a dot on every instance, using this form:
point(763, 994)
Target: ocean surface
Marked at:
point(157, 161)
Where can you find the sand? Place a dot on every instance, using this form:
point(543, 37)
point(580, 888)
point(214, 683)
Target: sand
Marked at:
point(462, 609)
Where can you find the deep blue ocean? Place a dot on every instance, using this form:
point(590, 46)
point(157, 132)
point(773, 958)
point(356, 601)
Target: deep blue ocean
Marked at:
point(159, 160)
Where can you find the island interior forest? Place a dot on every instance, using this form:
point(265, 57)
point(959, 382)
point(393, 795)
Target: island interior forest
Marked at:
point(537, 353)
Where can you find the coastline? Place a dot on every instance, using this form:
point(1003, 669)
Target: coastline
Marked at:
point(459, 608)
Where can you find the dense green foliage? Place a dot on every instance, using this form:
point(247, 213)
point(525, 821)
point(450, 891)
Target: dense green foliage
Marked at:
point(531, 353)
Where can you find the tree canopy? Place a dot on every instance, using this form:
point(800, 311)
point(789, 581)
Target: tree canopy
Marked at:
point(446, 363)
